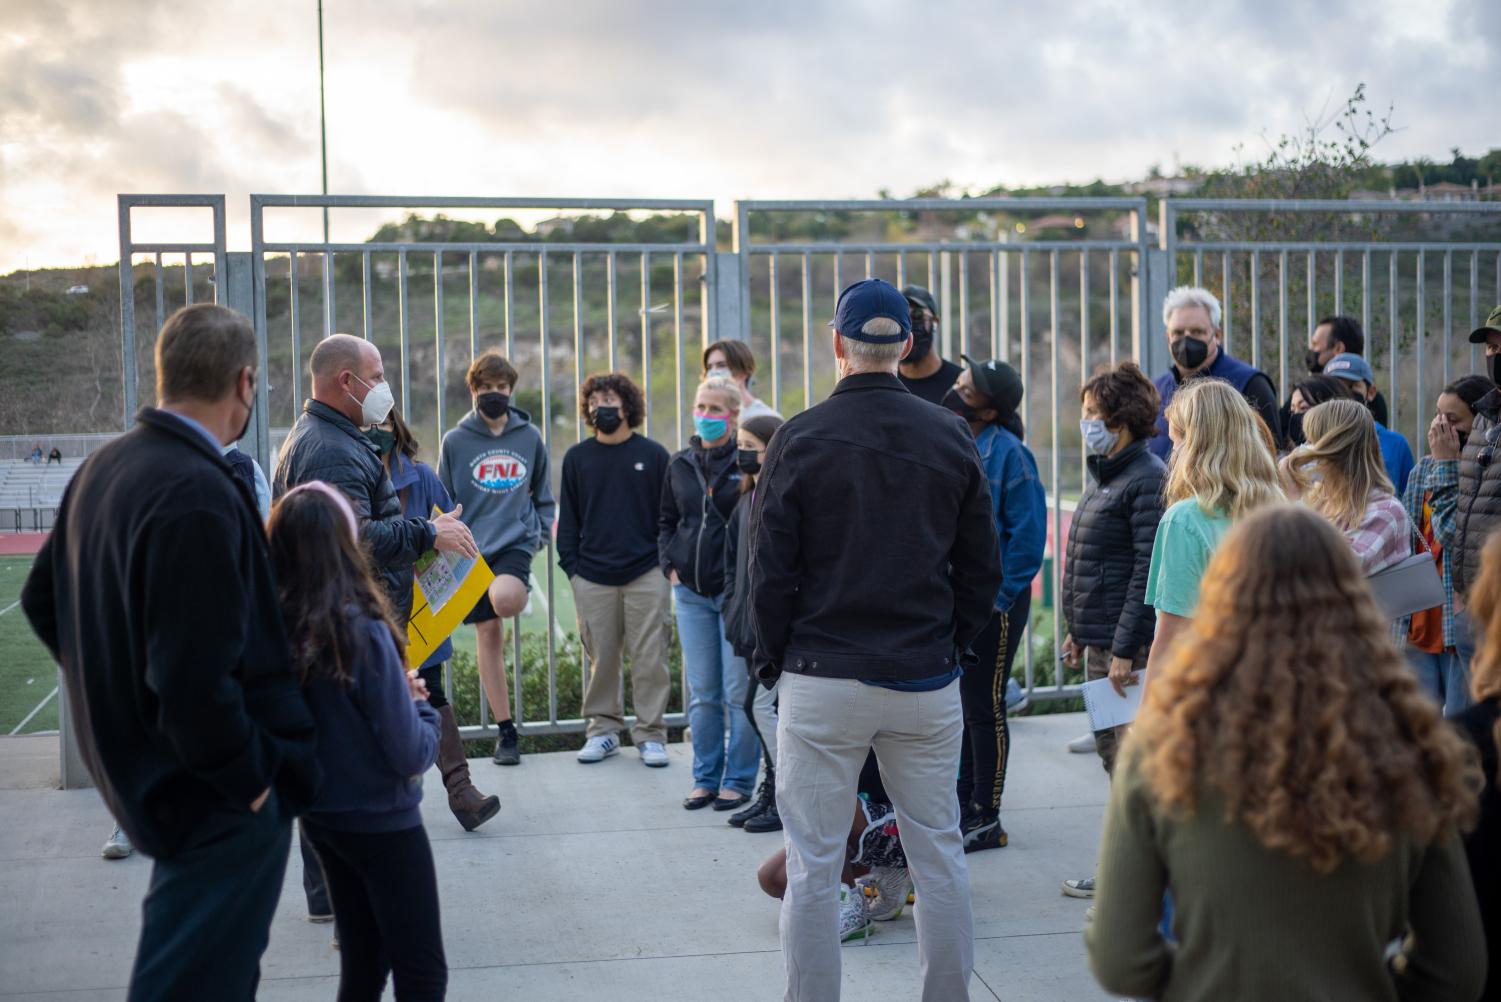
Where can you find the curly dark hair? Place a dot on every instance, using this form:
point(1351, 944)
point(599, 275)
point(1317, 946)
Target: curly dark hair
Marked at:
point(1125, 397)
point(632, 404)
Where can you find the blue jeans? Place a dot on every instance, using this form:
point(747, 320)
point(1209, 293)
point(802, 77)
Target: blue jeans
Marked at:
point(1457, 679)
point(716, 695)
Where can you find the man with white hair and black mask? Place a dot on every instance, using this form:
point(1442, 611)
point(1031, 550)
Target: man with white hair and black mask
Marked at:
point(1192, 318)
point(867, 616)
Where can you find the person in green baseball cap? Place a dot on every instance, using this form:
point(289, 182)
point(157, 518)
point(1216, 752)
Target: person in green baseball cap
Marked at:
point(1490, 335)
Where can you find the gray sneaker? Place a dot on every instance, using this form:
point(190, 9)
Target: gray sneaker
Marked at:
point(854, 918)
point(1083, 744)
point(118, 846)
point(1081, 888)
point(654, 754)
point(889, 886)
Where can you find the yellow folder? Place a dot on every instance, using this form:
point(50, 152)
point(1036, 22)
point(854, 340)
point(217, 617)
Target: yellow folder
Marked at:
point(445, 587)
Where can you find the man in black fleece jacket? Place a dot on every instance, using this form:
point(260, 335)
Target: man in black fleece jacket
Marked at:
point(867, 613)
point(156, 596)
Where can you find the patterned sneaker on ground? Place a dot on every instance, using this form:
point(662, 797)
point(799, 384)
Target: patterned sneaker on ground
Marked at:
point(506, 750)
point(118, 846)
point(1081, 888)
point(599, 748)
point(890, 887)
point(654, 754)
point(854, 920)
point(1083, 744)
point(983, 832)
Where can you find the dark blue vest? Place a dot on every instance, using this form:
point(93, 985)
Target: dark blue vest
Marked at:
point(1231, 370)
point(243, 469)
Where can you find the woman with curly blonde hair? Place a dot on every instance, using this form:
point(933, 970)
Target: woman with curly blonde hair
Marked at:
point(1481, 723)
point(1340, 474)
point(1220, 470)
point(1296, 789)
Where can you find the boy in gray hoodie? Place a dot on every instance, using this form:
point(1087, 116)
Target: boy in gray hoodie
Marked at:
point(495, 464)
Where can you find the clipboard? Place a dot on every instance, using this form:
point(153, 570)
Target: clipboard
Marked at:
point(1106, 707)
point(445, 587)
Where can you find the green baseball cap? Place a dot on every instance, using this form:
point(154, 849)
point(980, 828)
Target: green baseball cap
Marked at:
point(1492, 326)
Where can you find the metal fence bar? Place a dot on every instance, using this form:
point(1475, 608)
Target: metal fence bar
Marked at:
point(509, 269)
point(964, 302)
point(646, 379)
point(1057, 456)
point(1256, 309)
point(1313, 307)
point(1083, 347)
point(1339, 282)
point(993, 276)
point(1475, 304)
point(1227, 301)
point(807, 278)
point(1115, 304)
point(776, 335)
point(328, 294)
point(161, 294)
point(293, 276)
point(1420, 322)
point(365, 296)
point(1391, 356)
point(613, 320)
point(677, 340)
point(552, 606)
point(187, 277)
point(1448, 326)
point(1282, 319)
point(578, 344)
point(473, 304)
point(404, 327)
point(438, 339)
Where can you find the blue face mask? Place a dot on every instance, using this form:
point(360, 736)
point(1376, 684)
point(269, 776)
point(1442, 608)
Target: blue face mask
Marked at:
point(1098, 439)
point(710, 429)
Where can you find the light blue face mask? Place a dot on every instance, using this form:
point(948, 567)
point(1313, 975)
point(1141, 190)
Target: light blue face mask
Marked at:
point(710, 429)
point(1098, 439)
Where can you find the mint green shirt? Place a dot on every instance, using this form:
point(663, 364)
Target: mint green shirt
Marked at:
point(1187, 537)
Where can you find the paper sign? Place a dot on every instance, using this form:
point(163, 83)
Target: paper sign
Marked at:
point(1108, 708)
point(445, 587)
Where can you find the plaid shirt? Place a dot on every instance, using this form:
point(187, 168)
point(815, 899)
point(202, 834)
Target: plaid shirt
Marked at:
point(1441, 478)
point(1384, 536)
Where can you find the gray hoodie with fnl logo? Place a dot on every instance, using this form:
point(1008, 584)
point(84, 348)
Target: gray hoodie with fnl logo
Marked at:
point(501, 480)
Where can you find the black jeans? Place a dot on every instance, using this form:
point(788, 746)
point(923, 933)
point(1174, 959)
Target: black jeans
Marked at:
point(986, 748)
point(385, 897)
point(207, 915)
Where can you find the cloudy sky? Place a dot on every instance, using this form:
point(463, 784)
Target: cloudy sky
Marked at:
point(685, 98)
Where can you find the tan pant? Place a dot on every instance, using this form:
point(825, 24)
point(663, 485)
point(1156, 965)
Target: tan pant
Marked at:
point(632, 619)
point(1097, 665)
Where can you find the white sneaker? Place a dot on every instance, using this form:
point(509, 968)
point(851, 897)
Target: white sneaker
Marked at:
point(599, 748)
point(1082, 745)
point(118, 846)
point(654, 754)
point(889, 886)
point(854, 919)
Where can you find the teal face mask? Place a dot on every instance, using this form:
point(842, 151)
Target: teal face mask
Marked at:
point(383, 440)
point(710, 429)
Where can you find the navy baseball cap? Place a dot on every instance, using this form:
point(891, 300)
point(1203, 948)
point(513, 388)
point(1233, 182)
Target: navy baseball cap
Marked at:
point(1351, 368)
point(865, 301)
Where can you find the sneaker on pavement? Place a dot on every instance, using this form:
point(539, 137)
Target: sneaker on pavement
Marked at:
point(654, 754)
point(889, 886)
point(320, 918)
point(769, 820)
point(506, 750)
point(1017, 701)
point(854, 919)
point(599, 748)
point(982, 831)
point(1081, 888)
point(758, 804)
point(1083, 744)
point(118, 846)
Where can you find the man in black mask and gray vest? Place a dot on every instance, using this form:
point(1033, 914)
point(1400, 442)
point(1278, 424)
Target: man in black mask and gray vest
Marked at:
point(924, 372)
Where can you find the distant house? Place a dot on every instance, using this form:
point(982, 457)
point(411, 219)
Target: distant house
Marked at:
point(1164, 187)
point(1448, 191)
point(555, 225)
point(78, 290)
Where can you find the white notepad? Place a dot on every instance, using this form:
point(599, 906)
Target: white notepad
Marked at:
point(1107, 708)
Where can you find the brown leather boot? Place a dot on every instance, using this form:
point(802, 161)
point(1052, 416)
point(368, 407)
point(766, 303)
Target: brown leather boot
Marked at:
point(471, 807)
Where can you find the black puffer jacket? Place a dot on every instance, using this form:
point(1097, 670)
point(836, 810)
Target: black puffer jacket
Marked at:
point(325, 445)
point(698, 498)
point(1478, 510)
point(1110, 550)
point(739, 630)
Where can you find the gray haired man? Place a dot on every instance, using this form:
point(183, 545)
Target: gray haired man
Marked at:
point(867, 616)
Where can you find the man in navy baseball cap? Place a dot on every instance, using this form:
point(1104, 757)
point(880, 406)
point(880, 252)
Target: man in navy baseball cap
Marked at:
point(866, 301)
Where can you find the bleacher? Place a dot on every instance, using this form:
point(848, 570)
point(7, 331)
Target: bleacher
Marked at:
point(30, 493)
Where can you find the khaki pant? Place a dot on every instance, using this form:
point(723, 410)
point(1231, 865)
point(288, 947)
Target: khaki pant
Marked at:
point(631, 619)
point(1097, 665)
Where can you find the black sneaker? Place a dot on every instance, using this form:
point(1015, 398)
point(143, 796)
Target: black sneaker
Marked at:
point(506, 752)
point(982, 831)
point(767, 821)
point(756, 806)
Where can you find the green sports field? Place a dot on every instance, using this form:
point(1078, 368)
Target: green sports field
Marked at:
point(28, 675)
point(27, 672)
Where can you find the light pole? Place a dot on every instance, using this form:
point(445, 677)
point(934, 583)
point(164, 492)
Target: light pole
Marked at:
point(322, 118)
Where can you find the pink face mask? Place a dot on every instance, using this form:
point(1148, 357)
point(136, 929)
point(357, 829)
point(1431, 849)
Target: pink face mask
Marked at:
point(339, 500)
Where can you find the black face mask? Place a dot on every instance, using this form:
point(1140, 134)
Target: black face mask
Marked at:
point(1493, 368)
point(607, 419)
point(1295, 429)
point(1312, 361)
point(249, 412)
point(922, 342)
point(954, 402)
point(493, 405)
point(1464, 437)
point(749, 461)
point(1190, 352)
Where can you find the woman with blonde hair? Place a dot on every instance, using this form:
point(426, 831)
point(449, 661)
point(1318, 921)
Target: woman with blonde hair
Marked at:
point(1300, 795)
point(1339, 473)
point(1481, 724)
point(1219, 471)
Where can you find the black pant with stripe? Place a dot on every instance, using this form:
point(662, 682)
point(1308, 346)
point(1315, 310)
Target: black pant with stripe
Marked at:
point(982, 691)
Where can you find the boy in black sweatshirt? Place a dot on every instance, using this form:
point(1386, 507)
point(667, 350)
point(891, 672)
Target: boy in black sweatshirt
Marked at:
point(607, 545)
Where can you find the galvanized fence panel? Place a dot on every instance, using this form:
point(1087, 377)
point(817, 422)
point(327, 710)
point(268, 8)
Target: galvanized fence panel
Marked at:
point(1419, 276)
point(1054, 308)
point(557, 310)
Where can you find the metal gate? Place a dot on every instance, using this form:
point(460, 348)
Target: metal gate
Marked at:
point(1057, 286)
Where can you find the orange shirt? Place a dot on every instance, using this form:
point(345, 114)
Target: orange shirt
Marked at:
point(1427, 630)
